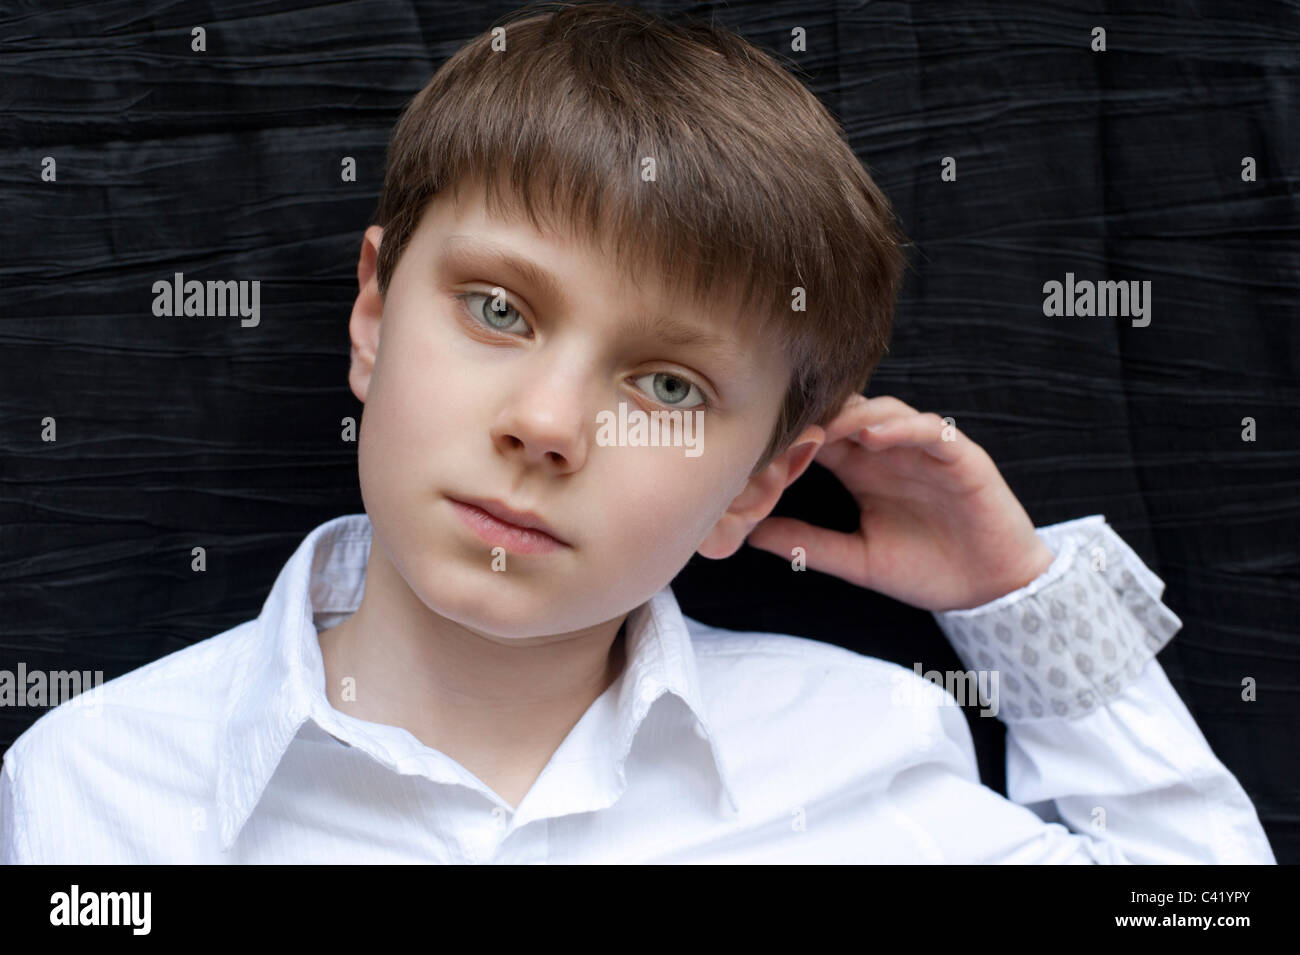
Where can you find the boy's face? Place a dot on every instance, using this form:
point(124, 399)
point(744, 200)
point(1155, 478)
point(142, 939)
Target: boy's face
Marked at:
point(466, 401)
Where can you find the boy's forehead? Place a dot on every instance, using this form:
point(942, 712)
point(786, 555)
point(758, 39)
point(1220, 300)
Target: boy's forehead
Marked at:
point(472, 225)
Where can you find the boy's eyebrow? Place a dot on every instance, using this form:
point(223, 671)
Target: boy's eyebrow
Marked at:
point(664, 328)
point(532, 273)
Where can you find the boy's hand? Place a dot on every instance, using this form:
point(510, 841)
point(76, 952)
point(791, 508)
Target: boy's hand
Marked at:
point(939, 527)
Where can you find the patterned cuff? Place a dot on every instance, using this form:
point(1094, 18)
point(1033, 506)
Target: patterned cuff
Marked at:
point(1075, 636)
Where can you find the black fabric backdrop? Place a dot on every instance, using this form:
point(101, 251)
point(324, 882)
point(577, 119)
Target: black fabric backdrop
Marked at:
point(1121, 165)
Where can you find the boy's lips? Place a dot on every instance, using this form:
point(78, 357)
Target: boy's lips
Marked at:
point(517, 519)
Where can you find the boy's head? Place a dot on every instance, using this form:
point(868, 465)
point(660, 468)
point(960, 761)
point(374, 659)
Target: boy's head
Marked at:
point(656, 172)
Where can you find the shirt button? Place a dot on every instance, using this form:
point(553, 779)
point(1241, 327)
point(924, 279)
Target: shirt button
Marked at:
point(649, 692)
point(500, 816)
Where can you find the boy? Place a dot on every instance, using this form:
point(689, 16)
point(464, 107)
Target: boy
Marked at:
point(489, 663)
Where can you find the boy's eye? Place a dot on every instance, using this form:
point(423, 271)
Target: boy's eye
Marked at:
point(672, 389)
point(495, 312)
point(665, 387)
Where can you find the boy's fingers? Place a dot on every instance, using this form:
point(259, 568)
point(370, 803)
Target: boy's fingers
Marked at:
point(854, 446)
point(860, 411)
point(830, 552)
point(835, 455)
point(927, 431)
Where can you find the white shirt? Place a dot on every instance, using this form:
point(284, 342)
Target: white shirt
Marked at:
point(711, 746)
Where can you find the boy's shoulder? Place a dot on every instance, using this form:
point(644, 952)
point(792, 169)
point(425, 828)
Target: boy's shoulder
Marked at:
point(174, 703)
point(803, 716)
point(132, 762)
point(759, 674)
point(762, 652)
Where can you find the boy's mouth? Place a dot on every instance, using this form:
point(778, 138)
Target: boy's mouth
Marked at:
point(497, 523)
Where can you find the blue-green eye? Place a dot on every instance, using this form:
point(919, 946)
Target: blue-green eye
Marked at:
point(667, 388)
point(672, 389)
point(495, 312)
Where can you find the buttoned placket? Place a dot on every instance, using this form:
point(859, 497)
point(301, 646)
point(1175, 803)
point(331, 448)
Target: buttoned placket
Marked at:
point(492, 835)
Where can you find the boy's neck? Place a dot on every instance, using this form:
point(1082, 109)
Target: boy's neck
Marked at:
point(499, 709)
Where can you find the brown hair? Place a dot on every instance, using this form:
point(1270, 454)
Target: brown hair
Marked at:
point(754, 178)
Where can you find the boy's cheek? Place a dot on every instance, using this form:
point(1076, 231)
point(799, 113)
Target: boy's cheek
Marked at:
point(662, 509)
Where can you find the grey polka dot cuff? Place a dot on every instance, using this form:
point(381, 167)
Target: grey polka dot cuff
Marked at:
point(1074, 637)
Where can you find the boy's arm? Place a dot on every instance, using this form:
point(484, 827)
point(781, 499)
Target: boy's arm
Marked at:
point(1097, 741)
point(1097, 738)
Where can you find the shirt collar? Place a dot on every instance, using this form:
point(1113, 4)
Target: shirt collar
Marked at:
point(280, 678)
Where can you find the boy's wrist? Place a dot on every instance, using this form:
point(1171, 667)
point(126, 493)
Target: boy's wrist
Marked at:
point(1036, 562)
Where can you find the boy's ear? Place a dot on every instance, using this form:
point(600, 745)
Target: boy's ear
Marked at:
point(367, 311)
point(760, 495)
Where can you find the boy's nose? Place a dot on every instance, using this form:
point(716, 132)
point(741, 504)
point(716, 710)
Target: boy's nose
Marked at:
point(543, 433)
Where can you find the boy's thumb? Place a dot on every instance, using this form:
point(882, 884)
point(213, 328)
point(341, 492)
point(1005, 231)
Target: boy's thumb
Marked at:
point(780, 535)
point(825, 550)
